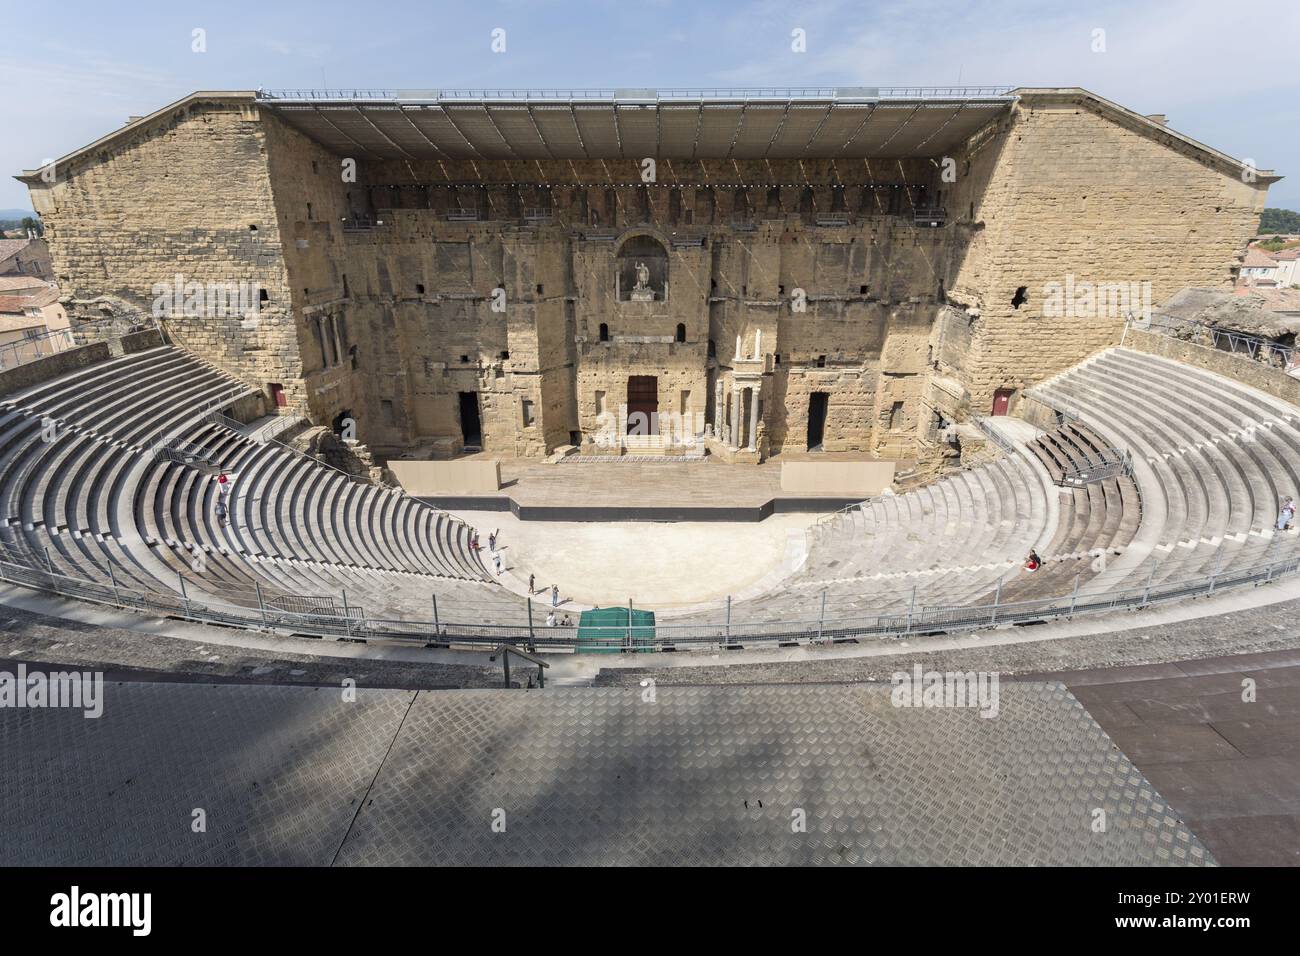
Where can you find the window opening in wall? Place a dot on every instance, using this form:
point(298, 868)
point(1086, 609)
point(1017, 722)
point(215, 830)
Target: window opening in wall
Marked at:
point(896, 416)
point(713, 349)
point(386, 407)
point(309, 216)
point(862, 290)
point(604, 332)
point(263, 296)
point(681, 332)
point(352, 357)
point(821, 361)
point(465, 359)
point(505, 355)
point(1020, 298)
point(419, 288)
point(527, 407)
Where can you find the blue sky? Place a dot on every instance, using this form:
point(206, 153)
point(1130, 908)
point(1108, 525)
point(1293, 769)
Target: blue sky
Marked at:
point(73, 71)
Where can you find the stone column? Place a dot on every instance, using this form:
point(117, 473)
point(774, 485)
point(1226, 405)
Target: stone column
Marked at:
point(719, 410)
point(736, 412)
point(753, 418)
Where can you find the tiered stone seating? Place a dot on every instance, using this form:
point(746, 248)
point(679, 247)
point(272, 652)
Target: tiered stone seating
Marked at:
point(1213, 456)
point(82, 493)
point(298, 526)
point(1098, 518)
point(944, 544)
point(70, 449)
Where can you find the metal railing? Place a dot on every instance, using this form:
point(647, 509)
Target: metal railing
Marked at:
point(999, 439)
point(1113, 462)
point(33, 347)
point(282, 424)
point(929, 216)
point(1253, 347)
point(611, 94)
point(328, 617)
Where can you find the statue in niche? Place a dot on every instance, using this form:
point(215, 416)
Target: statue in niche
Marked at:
point(642, 292)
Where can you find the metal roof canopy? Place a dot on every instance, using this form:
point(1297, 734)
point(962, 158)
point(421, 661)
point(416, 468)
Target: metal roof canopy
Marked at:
point(796, 123)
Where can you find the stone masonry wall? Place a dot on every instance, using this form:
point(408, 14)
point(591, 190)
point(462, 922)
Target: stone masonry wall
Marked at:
point(1062, 191)
point(188, 196)
point(381, 289)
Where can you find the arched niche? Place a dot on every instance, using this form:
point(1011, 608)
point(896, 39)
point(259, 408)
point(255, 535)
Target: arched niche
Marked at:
point(642, 269)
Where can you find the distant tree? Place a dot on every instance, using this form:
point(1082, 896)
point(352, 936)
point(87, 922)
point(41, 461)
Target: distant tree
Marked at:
point(1279, 220)
point(30, 222)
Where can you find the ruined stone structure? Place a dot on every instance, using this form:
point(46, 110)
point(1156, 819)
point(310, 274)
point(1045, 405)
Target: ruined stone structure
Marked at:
point(847, 270)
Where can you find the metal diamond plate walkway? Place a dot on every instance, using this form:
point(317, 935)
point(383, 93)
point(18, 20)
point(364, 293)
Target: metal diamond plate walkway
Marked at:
point(703, 775)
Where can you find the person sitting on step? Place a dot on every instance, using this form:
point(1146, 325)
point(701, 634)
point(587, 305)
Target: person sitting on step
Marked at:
point(1033, 562)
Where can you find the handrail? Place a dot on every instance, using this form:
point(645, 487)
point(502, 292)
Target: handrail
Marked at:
point(1254, 347)
point(1115, 460)
point(845, 94)
point(58, 340)
point(354, 623)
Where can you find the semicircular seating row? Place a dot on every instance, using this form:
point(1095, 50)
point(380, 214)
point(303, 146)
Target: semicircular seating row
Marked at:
point(81, 492)
point(1214, 458)
point(944, 543)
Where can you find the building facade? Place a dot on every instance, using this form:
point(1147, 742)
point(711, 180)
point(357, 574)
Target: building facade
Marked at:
point(843, 270)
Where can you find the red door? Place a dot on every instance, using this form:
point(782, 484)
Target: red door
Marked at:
point(1002, 400)
point(642, 404)
point(278, 396)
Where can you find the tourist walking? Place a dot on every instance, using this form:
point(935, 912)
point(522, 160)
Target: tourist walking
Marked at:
point(496, 560)
point(1286, 515)
point(492, 542)
point(532, 584)
point(555, 595)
